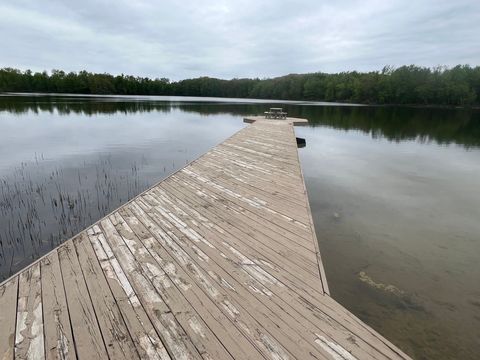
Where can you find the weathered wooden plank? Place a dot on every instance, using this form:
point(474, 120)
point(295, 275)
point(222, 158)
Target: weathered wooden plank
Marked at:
point(58, 333)
point(262, 219)
point(173, 336)
point(8, 312)
point(265, 187)
point(254, 133)
point(256, 244)
point(233, 214)
point(273, 215)
point(115, 334)
point(88, 339)
point(263, 196)
point(253, 314)
point(195, 327)
point(253, 204)
point(282, 159)
point(238, 220)
point(245, 145)
point(255, 165)
point(213, 209)
point(256, 169)
point(258, 163)
point(260, 153)
point(248, 324)
point(240, 177)
point(147, 342)
point(214, 199)
point(224, 328)
point(239, 234)
point(29, 339)
point(261, 258)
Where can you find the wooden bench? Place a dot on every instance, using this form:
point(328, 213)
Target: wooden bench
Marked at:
point(275, 113)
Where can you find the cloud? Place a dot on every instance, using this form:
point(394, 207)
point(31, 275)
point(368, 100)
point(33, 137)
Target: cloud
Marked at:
point(244, 38)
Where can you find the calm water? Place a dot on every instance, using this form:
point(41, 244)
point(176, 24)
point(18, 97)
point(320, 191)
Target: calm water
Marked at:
point(394, 193)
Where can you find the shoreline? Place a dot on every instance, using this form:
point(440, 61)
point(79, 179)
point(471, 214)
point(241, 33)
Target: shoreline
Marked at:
point(239, 100)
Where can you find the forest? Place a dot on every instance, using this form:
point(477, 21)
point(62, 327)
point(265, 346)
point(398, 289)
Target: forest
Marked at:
point(412, 85)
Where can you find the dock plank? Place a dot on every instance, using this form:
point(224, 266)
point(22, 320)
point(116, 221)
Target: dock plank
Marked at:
point(218, 261)
point(88, 338)
point(115, 334)
point(58, 333)
point(259, 223)
point(232, 339)
point(275, 201)
point(29, 337)
point(173, 336)
point(218, 198)
point(195, 327)
point(253, 245)
point(8, 306)
point(191, 257)
point(147, 342)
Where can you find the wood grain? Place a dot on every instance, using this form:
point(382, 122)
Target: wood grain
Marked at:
point(29, 339)
point(8, 312)
point(58, 333)
point(86, 332)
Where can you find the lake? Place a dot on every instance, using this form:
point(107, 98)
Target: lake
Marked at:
point(394, 194)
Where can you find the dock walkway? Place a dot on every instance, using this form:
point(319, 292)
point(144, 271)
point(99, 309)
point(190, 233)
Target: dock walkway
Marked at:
point(218, 261)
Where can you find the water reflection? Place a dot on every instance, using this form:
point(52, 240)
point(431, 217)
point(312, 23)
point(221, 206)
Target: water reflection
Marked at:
point(441, 125)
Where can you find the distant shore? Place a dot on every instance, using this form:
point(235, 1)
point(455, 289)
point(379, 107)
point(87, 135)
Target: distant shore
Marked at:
point(407, 85)
point(222, 99)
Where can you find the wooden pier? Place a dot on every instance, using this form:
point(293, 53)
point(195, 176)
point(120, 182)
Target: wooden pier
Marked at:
point(218, 261)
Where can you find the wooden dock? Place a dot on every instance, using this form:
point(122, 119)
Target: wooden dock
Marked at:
point(218, 261)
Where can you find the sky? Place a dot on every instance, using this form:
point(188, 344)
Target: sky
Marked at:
point(235, 39)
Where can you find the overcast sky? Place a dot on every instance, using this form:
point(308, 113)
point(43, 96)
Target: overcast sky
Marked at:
point(242, 38)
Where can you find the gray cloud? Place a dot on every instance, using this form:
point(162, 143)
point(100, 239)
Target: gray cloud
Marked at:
point(245, 38)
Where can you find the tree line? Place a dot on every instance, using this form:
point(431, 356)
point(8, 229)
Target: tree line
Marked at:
point(456, 86)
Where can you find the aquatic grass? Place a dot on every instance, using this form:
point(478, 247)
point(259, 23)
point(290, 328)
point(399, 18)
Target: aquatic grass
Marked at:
point(41, 207)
